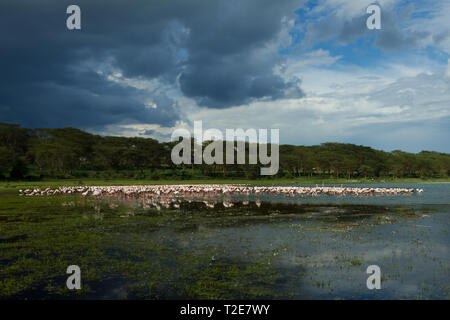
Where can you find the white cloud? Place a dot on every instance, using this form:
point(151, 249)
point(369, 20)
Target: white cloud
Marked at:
point(434, 18)
point(398, 104)
point(447, 71)
point(318, 57)
point(143, 130)
point(350, 105)
point(348, 8)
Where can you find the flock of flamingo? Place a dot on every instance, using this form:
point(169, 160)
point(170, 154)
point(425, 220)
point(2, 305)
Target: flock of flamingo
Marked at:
point(170, 193)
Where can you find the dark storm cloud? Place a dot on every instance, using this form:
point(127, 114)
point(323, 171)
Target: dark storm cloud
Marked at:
point(224, 81)
point(49, 75)
point(353, 28)
point(345, 30)
point(334, 26)
point(392, 38)
point(440, 37)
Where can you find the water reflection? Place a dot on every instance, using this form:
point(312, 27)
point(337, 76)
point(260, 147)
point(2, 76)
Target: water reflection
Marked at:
point(313, 248)
point(319, 247)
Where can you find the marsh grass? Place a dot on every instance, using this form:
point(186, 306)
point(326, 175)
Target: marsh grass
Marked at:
point(128, 251)
point(55, 183)
point(42, 236)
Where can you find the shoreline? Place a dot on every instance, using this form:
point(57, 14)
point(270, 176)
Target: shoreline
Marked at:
point(213, 190)
point(56, 183)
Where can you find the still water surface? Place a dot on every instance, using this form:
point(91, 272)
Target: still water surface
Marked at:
point(323, 245)
point(271, 247)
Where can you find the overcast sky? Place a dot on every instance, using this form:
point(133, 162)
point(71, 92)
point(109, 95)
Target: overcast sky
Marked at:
point(309, 68)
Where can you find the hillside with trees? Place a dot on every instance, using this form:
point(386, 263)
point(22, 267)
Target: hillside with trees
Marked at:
point(34, 154)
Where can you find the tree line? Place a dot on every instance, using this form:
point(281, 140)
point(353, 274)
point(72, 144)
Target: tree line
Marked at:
point(72, 153)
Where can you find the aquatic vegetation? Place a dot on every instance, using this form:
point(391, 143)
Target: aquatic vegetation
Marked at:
point(130, 247)
point(356, 262)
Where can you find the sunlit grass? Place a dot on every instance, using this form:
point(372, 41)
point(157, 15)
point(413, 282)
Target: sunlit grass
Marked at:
point(16, 185)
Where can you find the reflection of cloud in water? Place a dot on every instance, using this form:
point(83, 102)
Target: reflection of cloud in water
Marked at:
point(404, 266)
point(298, 240)
point(342, 259)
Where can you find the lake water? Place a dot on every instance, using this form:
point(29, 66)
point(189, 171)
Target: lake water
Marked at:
point(271, 247)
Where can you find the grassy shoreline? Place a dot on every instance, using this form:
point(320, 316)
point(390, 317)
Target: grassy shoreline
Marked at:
point(54, 183)
point(128, 251)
